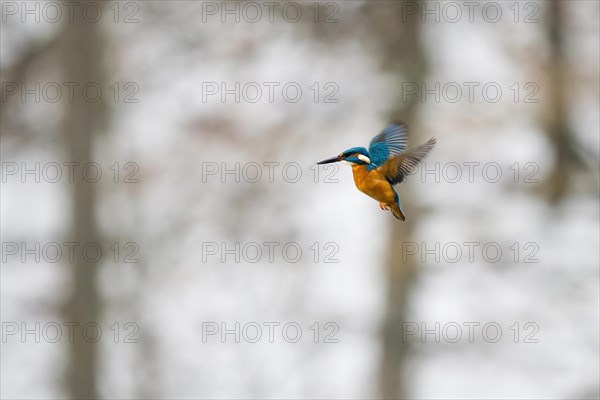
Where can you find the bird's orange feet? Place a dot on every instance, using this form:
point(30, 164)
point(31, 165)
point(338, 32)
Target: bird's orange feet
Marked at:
point(383, 207)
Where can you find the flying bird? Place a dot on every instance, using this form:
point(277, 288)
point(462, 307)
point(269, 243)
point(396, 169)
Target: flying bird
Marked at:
point(385, 164)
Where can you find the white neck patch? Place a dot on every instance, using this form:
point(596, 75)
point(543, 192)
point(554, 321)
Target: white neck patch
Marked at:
point(364, 159)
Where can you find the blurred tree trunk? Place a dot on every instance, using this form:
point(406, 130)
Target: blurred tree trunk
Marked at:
point(556, 121)
point(81, 54)
point(404, 57)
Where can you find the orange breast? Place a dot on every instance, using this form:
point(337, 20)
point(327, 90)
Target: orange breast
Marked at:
point(373, 184)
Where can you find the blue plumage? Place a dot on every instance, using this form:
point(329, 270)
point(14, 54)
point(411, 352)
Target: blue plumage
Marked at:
point(354, 150)
point(389, 143)
point(385, 164)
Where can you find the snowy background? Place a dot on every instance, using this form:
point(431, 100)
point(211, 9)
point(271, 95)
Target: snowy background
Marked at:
point(543, 291)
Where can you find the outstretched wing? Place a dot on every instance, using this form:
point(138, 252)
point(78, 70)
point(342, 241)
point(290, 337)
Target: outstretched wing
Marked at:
point(398, 167)
point(389, 143)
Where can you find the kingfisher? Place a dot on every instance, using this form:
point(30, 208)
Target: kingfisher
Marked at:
point(385, 164)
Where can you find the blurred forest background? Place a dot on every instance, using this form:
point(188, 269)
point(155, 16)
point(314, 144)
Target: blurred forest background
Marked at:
point(157, 61)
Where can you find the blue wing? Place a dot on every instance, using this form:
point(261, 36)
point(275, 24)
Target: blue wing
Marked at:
point(389, 143)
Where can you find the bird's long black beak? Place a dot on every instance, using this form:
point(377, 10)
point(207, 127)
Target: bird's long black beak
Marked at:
point(331, 160)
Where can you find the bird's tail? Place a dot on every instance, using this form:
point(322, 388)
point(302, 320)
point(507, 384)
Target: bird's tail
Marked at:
point(397, 212)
